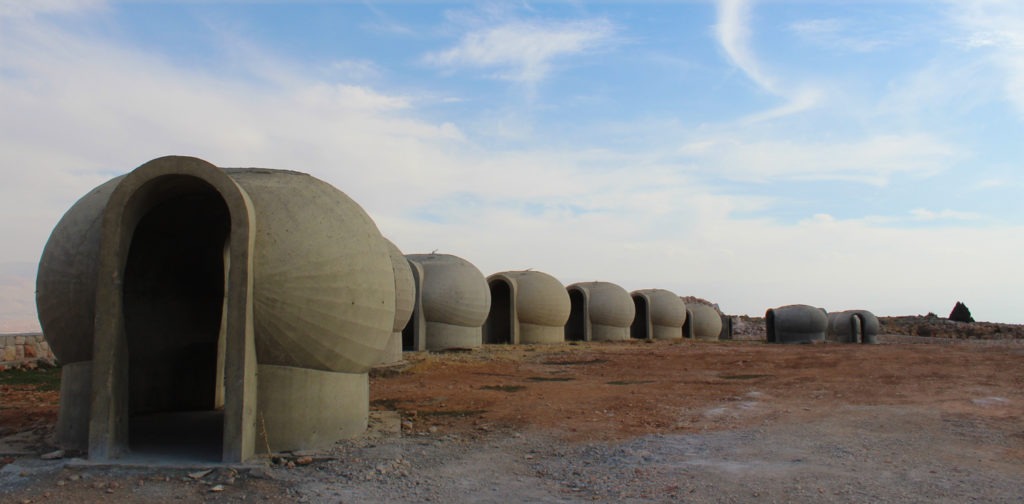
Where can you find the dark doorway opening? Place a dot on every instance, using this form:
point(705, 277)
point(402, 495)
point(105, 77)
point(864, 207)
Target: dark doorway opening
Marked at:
point(173, 295)
point(575, 327)
point(769, 323)
point(498, 327)
point(688, 325)
point(639, 329)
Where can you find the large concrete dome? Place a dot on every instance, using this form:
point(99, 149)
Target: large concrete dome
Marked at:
point(660, 314)
point(405, 298)
point(601, 311)
point(526, 307)
point(455, 301)
point(703, 322)
point(853, 326)
point(796, 324)
point(177, 280)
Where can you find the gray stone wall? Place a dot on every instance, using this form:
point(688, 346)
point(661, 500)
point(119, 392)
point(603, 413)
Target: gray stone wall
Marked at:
point(26, 350)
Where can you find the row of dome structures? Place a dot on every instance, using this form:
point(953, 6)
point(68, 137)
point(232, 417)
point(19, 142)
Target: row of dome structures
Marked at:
point(444, 302)
point(266, 296)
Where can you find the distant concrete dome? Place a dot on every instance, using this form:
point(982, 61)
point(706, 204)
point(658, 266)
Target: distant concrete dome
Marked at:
point(405, 298)
point(796, 324)
point(660, 314)
point(527, 307)
point(176, 281)
point(703, 321)
point(455, 301)
point(601, 311)
point(853, 326)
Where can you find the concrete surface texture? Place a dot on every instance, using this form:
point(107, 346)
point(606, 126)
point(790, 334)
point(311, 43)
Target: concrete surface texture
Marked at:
point(405, 297)
point(703, 322)
point(853, 326)
point(796, 324)
point(600, 311)
point(660, 314)
point(174, 287)
point(527, 307)
point(453, 302)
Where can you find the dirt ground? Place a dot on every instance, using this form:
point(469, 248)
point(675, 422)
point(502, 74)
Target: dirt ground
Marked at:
point(620, 422)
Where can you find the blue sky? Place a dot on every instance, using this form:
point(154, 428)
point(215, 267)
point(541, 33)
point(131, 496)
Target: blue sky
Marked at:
point(754, 153)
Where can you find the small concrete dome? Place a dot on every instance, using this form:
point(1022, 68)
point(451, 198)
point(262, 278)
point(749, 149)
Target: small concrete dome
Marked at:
point(455, 301)
point(660, 314)
point(703, 321)
point(853, 326)
point(527, 307)
point(601, 311)
point(796, 324)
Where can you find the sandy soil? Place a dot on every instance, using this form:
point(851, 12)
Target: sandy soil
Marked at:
point(625, 422)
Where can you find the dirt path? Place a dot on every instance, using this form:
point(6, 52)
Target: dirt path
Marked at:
point(639, 422)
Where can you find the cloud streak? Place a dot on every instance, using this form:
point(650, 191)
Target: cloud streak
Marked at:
point(733, 34)
point(523, 51)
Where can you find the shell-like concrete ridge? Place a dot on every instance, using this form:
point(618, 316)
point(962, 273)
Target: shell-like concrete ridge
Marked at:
point(526, 307)
point(796, 324)
point(703, 322)
point(853, 326)
point(660, 314)
point(601, 311)
point(169, 289)
point(405, 297)
point(454, 301)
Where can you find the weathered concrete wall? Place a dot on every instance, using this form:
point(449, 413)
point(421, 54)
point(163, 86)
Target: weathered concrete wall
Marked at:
point(24, 350)
point(454, 300)
point(164, 290)
point(703, 322)
point(405, 298)
point(853, 326)
point(601, 311)
point(796, 324)
point(527, 307)
point(660, 315)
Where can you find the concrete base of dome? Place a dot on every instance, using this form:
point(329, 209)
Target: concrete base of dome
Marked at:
point(305, 409)
point(441, 336)
point(75, 397)
point(532, 334)
point(601, 332)
point(666, 332)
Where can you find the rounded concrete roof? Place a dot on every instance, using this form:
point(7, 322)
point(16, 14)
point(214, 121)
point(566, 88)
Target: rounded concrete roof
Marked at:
point(323, 283)
point(540, 298)
point(666, 308)
point(405, 287)
point(453, 290)
point(610, 304)
point(705, 321)
point(799, 322)
point(839, 323)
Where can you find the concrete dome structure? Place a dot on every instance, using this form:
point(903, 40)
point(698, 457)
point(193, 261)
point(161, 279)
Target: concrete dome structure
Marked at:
point(452, 305)
point(853, 326)
point(527, 307)
point(184, 293)
point(600, 311)
point(405, 298)
point(660, 314)
point(703, 322)
point(795, 324)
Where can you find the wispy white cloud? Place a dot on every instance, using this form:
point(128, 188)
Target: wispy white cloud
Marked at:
point(923, 214)
point(26, 9)
point(996, 27)
point(872, 160)
point(837, 33)
point(523, 51)
point(733, 33)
